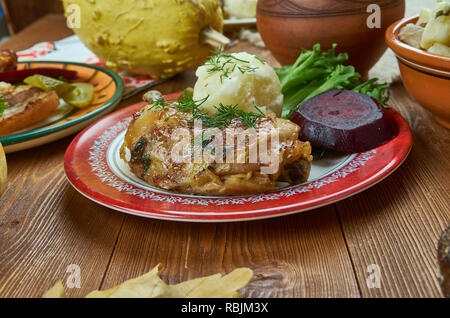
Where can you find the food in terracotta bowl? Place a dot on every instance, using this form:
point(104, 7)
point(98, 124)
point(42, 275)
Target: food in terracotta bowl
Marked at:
point(431, 32)
point(426, 75)
point(287, 27)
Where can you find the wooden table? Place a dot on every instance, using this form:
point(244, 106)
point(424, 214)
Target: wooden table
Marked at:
point(45, 225)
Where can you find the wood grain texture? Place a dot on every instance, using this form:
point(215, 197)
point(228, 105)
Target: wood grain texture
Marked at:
point(51, 28)
point(297, 256)
point(397, 223)
point(45, 225)
point(21, 13)
point(285, 262)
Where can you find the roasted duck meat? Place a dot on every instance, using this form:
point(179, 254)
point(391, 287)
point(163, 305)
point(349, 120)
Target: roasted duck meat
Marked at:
point(151, 141)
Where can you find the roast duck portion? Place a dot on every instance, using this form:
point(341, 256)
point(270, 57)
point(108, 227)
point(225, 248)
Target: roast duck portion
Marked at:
point(161, 144)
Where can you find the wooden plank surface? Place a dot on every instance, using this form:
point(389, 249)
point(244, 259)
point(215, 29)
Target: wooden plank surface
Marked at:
point(280, 251)
point(45, 225)
point(50, 28)
point(397, 223)
point(285, 262)
point(297, 256)
point(21, 13)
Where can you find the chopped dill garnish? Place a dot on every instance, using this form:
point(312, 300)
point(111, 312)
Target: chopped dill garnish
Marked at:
point(226, 113)
point(442, 13)
point(158, 104)
point(259, 111)
point(223, 117)
point(261, 60)
point(146, 162)
point(138, 156)
point(226, 64)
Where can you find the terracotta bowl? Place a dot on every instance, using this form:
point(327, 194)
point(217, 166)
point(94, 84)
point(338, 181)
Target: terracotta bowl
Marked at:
point(426, 76)
point(288, 26)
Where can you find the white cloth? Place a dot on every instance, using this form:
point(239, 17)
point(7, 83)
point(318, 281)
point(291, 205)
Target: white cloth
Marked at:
point(71, 49)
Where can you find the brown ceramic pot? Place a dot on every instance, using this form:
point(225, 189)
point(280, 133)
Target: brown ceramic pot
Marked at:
point(287, 26)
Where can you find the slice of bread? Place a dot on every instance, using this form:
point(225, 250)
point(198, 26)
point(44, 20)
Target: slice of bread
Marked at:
point(26, 106)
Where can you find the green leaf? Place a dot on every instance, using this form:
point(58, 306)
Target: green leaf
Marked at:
point(316, 72)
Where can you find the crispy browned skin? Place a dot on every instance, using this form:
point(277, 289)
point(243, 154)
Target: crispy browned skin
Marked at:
point(150, 142)
point(8, 60)
point(26, 105)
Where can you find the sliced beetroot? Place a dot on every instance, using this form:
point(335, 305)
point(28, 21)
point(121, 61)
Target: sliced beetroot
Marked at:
point(344, 121)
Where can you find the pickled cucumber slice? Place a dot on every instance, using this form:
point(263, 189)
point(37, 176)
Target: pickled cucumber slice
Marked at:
point(80, 96)
point(48, 84)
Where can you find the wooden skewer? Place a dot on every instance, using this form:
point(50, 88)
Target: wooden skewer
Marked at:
point(214, 38)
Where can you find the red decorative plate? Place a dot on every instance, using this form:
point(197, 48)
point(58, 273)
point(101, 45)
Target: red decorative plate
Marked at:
point(94, 168)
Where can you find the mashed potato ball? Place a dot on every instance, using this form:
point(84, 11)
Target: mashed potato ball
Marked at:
point(238, 79)
point(240, 8)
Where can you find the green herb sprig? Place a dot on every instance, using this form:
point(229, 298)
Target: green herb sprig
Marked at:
point(224, 113)
point(223, 117)
point(3, 103)
point(226, 64)
point(138, 156)
point(316, 72)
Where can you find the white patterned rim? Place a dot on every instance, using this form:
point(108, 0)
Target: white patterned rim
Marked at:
point(112, 171)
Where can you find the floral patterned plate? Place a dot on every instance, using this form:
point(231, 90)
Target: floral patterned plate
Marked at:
point(67, 119)
point(93, 166)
